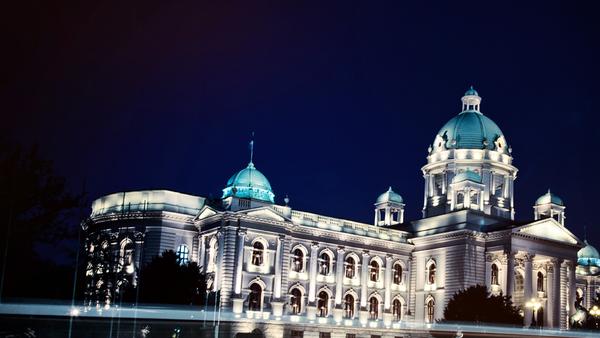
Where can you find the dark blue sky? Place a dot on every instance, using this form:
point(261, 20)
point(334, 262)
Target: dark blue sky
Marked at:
point(344, 97)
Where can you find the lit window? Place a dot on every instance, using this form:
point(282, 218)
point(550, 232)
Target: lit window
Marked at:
point(296, 301)
point(373, 308)
point(540, 281)
point(298, 260)
point(257, 253)
point(323, 304)
point(183, 254)
point(350, 267)
point(397, 274)
point(494, 274)
point(397, 309)
point(349, 306)
point(430, 310)
point(324, 264)
point(374, 275)
point(431, 273)
point(255, 297)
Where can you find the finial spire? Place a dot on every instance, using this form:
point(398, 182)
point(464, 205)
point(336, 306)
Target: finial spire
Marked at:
point(251, 148)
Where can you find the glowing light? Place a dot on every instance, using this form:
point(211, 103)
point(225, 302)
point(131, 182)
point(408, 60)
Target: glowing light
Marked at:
point(74, 312)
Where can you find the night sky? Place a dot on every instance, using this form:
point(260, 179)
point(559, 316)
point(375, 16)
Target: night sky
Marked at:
point(344, 98)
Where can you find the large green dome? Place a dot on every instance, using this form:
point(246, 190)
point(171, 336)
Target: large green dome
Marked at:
point(470, 130)
point(249, 183)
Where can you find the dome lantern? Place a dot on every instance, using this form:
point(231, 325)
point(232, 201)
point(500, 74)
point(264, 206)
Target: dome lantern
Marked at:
point(549, 205)
point(471, 100)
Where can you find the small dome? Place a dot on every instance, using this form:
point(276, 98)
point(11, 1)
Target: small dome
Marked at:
point(468, 175)
point(588, 255)
point(389, 196)
point(471, 91)
point(549, 198)
point(249, 183)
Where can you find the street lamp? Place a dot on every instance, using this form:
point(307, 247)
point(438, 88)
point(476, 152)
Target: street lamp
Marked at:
point(533, 304)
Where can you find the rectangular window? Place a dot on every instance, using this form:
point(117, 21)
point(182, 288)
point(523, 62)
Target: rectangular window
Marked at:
point(324, 335)
point(297, 334)
point(350, 335)
point(375, 336)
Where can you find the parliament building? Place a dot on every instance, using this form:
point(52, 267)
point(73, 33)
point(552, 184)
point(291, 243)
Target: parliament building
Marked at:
point(272, 262)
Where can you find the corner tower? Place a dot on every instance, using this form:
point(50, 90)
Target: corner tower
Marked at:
point(470, 144)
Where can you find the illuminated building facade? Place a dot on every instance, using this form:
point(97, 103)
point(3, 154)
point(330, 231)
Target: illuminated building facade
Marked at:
point(271, 261)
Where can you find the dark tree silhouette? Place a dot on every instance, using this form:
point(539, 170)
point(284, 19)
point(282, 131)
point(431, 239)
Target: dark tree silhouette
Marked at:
point(475, 304)
point(166, 281)
point(37, 209)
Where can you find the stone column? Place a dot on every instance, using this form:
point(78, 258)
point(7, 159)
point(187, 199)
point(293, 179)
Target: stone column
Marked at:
point(488, 271)
point(572, 287)
point(202, 254)
point(339, 276)
point(277, 303)
point(278, 267)
point(554, 294)
point(364, 278)
point(388, 283)
point(218, 267)
point(239, 263)
point(510, 273)
point(528, 284)
point(312, 287)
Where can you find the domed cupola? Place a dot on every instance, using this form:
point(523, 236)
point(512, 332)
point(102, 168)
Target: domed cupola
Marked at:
point(247, 186)
point(588, 260)
point(249, 183)
point(550, 205)
point(469, 165)
point(470, 129)
point(389, 208)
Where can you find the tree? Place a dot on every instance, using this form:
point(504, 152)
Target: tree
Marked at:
point(164, 280)
point(475, 304)
point(36, 208)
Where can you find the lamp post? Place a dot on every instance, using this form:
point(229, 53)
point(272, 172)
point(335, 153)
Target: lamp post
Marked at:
point(533, 304)
point(595, 312)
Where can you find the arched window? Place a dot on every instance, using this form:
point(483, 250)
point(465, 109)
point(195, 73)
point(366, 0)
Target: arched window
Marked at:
point(494, 279)
point(257, 253)
point(519, 282)
point(298, 260)
point(183, 254)
point(373, 308)
point(350, 267)
point(324, 264)
point(296, 301)
point(397, 309)
point(430, 310)
point(323, 304)
point(255, 297)
point(540, 281)
point(431, 272)
point(474, 200)
point(349, 306)
point(397, 274)
point(374, 273)
point(126, 256)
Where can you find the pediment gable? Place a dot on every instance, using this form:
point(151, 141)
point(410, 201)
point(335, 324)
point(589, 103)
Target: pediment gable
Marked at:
point(206, 212)
point(550, 229)
point(265, 213)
